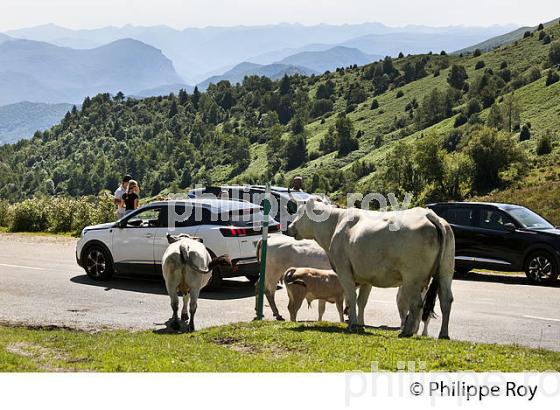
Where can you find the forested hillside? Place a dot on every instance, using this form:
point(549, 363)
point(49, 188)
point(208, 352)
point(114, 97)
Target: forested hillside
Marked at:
point(436, 125)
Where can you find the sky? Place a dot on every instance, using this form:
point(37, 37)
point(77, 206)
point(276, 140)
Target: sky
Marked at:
point(200, 13)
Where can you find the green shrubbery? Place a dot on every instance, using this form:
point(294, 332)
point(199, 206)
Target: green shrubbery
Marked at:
point(56, 214)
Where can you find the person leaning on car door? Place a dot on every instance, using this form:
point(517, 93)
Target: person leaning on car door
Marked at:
point(118, 200)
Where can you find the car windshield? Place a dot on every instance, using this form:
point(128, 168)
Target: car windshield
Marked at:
point(529, 219)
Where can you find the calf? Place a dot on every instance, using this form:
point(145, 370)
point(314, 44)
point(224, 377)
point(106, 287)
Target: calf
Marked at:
point(311, 284)
point(284, 252)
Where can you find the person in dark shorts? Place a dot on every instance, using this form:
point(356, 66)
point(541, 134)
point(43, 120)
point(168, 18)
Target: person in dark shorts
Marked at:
point(131, 197)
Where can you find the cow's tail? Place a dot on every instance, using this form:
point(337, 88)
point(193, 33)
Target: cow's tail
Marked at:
point(289, 278)
point(431, 295)
point(222, 260)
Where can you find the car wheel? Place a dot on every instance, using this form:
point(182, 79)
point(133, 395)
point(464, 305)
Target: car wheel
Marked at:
point(97, 263)
point(540, 268)
point(253, 278)
point(215, 281)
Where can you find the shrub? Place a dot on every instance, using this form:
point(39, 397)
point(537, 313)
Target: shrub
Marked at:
point(545, 145)
point(554, 53)
point(399, 94)
point(541, 35)
point(479, 64)
point(533, 75)
point(477, 52)
point(540, 27)
point(60, 214)
point(374, 104)
point(525, 133)
point(546, 39)
point(503, 65)
point(552, 77)
point(4, 212)
point(461, 119)
point(527, 34)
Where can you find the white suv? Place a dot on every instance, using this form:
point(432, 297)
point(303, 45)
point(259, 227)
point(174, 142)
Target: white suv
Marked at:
point(135, 244)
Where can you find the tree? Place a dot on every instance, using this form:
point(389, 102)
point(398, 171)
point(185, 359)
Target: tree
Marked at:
point(495, 118)
point(545, 145)
point(173, 110)
point(457, 76)
point(554, 53)
point(477, 52)
point(525, 133)
point(434, 108)
point(552, 77)
point(479, 64)
point(346, 140)
point(195, 97)
point(540, 27)
point(321, 107)
point(491, 153)
point(326, 90)
point(374, 104)
point(285, 85)
point(295, 151)
point(511, 112)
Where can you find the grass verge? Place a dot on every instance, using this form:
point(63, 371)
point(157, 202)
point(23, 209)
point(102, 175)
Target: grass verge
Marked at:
point(254, 347)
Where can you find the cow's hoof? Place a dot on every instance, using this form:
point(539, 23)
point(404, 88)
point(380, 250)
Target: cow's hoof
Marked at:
point(185, 317)
point(280, 318)
point(175, 325)
point(444, 337)
point(190, 327)
point(403, 334)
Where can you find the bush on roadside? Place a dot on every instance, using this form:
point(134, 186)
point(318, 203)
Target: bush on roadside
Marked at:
point(57, 214)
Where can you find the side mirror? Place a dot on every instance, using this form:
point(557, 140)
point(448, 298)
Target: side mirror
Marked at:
point(120, 224)
point(510, 227)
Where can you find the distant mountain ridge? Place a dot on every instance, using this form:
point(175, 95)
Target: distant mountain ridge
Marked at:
point(272, 71)
point(198, 53)
point(330, 59)
point(21, 120)
point(506, 38)
point(42, 72)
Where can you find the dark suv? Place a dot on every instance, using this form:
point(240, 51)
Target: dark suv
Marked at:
point(502, 237)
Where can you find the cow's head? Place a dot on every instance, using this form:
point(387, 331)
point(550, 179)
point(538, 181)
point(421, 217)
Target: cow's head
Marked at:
point(306, 218)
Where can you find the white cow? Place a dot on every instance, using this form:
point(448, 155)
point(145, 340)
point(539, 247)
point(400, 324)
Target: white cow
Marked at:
point(187, 267)
point(385, 249)
point(282, 253)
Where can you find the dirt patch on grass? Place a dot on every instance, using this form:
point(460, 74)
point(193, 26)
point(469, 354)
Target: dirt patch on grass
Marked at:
point(242, 347)
point(43, 356)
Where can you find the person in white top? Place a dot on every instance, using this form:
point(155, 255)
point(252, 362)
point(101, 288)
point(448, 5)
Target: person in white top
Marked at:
point(118, 200)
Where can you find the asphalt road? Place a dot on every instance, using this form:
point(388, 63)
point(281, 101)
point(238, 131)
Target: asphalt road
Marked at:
point(40, 284)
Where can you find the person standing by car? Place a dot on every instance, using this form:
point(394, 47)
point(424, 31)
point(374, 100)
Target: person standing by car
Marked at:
point(131, 197)
point(118, 200)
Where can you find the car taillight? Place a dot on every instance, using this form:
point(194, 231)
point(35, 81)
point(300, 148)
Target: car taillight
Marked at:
point(231, 231)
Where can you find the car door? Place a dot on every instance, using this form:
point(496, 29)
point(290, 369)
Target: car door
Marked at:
point(174, 219)
point(461, 219)
point(133, 242)
point(497, 246)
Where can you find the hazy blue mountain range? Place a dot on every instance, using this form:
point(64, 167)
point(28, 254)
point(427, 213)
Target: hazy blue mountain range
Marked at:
point(273, 71)
point(21, 120)
point(497, 41)
point(198, 53)
point(321, 61)
point(41, 72)
point(164, 90)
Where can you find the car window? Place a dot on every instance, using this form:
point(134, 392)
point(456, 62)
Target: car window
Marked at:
point(493, 219)
point(144, 219)
point(177, 216)
point(459, 216)
point(529, 219)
